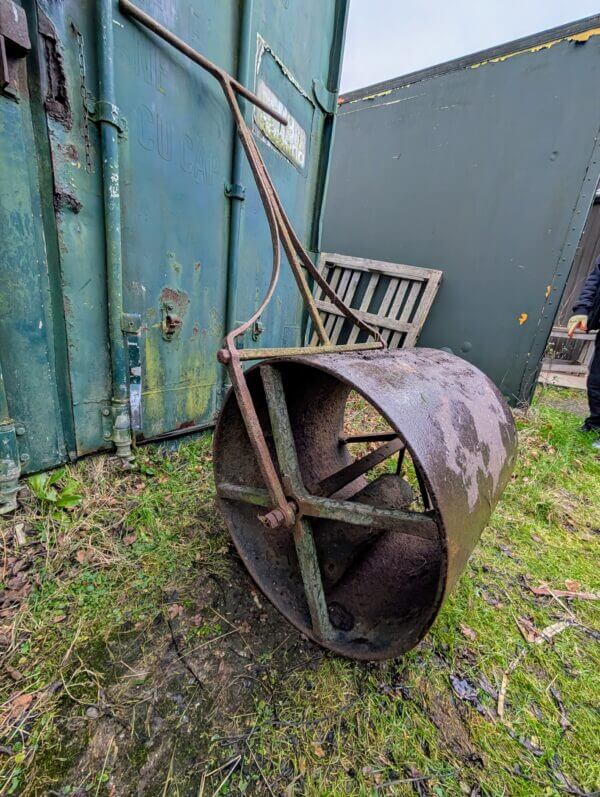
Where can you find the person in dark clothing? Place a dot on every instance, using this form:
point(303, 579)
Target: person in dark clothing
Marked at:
point(587, 317)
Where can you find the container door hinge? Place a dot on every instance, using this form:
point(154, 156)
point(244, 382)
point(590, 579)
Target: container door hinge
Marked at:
point(131, 324)
point(235, 191)
point(14, 45)
point(101, 111)
point(326, 100)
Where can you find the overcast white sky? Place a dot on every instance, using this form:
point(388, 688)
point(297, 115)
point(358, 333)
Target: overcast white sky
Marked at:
point(389, 38)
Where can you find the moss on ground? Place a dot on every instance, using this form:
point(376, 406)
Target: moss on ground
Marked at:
point(118, 569)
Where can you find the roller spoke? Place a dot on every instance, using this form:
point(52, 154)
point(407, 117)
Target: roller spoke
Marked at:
point(413, 524)
point(332, 484)
point(312, 579)
point(303, 534)
point(281, 426)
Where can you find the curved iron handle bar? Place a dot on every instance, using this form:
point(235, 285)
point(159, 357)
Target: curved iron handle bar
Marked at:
point(281, 231)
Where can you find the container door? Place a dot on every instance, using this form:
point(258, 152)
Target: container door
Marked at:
point(176, 164)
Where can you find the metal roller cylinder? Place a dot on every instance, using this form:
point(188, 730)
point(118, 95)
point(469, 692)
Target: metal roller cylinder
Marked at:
point(383, 588)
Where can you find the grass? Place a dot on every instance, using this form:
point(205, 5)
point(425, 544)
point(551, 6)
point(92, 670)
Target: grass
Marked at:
point(114, 594)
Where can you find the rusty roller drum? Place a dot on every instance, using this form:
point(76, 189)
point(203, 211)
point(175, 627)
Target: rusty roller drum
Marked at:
point(382, 580)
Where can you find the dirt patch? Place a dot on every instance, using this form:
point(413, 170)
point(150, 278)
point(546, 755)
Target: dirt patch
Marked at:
point(447, 718)
point(184, 690)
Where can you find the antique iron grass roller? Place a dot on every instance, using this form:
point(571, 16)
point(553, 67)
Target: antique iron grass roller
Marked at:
point(346, 549)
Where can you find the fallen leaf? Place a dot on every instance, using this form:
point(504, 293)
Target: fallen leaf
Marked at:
point(18, 705)
point(529, 631)
point(319, 752)
point(20, 564)
point(468, 632)
point(536, 637)
point(59, 618)
point(14, 674)
point(174, 610)
point(16, 582)
point(572, 586)
point(129, 539)
point(488, 687)
point(563, 593)
point(528, 744)
point(84, 556)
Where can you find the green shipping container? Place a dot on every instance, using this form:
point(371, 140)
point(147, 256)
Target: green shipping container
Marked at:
point(131, 233)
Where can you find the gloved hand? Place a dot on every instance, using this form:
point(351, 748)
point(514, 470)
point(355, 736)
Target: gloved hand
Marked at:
point(577, 322)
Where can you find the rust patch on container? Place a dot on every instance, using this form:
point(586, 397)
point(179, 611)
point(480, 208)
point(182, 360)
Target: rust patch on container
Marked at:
point(64, 199)
point(56, 103)
point(174, 305)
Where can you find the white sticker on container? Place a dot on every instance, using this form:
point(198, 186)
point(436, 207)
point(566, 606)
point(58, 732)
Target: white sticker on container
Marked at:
point(289, 139)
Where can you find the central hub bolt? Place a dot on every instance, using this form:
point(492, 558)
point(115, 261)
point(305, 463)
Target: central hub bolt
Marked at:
point(277, 518)
point(273, 520)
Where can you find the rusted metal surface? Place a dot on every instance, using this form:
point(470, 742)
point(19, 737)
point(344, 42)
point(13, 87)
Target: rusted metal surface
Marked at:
point(385, 569)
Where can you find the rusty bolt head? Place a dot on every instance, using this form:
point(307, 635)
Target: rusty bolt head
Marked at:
point(223, 356)
point(273, 520)
point(277, 518)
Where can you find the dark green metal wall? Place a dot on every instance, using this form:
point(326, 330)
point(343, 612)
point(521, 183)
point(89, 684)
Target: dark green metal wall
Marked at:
point(175, 152)
point(485, 168)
